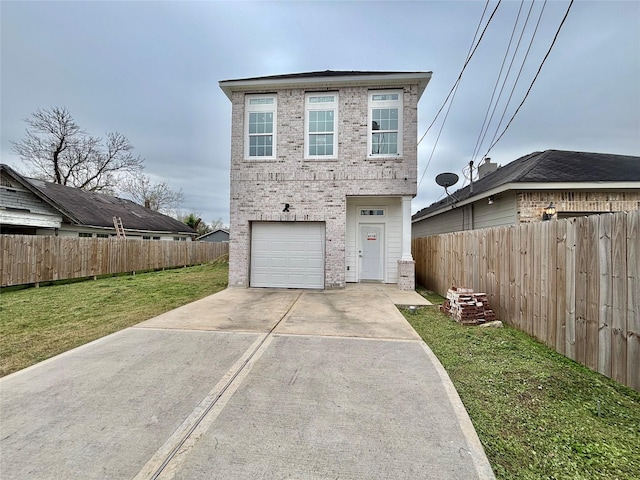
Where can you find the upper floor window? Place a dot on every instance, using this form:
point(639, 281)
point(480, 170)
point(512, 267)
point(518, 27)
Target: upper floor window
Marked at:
point(260, 126)
point(321, 138)
point(385, 123)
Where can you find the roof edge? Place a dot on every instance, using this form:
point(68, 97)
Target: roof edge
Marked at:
point(327, 78)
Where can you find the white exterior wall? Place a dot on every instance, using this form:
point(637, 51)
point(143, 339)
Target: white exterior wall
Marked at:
point(31, 211)
point(16, 197)
point(317, 190)
point(392, 221)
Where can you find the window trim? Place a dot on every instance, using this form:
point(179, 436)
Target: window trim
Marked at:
point(323, 107)
point(376, 104)
point(248, 110)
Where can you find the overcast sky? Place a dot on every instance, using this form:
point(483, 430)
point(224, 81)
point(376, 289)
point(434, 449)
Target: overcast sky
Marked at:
point(150, 70)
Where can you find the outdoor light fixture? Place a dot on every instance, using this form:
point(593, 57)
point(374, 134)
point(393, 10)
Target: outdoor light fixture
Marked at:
point(491, 200)
point(549, 212)
point(286, 207)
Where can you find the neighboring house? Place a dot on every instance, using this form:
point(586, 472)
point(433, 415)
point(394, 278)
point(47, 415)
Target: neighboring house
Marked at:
point(218, 235)
point(35, 207)
point(323, 170)
point(573, 183)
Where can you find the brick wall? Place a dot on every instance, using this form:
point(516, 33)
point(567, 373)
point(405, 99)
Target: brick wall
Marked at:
point(531, 204)
point(315, 189)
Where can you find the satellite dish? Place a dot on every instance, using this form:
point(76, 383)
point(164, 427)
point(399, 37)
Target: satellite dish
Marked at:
point(447, 180)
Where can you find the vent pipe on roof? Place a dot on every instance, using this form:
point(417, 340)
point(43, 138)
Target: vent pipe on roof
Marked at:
point(471, 176)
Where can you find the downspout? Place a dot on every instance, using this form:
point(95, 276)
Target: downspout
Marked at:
point(472, 218)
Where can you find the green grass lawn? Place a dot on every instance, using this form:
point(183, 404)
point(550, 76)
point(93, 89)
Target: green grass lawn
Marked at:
point(38, 323)
point(538, 414)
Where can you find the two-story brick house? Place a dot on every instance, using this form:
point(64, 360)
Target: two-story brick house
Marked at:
point(323, 170)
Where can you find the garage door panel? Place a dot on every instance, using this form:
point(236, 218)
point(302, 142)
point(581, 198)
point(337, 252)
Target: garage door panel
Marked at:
point(317, 263)
point(298, 263)
point(279, 262)
point(287, 254)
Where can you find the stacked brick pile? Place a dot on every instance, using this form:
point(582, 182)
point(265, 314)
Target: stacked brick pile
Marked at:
point(467, 307)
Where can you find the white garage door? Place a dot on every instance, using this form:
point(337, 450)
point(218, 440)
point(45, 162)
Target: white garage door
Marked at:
point(287, 254)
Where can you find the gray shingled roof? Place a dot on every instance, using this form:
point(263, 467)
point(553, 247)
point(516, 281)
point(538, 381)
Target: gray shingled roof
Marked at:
point(82, 207)
point(323, 74)
point(550, 166)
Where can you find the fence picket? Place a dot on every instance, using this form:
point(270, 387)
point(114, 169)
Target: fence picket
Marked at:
point(633, 301)
point(619, 299)
point(582, 253)
point(604, 297)
point(561, 286)
point(593, 292)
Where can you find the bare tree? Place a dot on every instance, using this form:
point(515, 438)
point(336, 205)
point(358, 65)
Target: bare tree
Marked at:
point(218, 224)
point(156, 196)
point(57, 150)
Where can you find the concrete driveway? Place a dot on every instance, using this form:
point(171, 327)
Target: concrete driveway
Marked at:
point(245, 384)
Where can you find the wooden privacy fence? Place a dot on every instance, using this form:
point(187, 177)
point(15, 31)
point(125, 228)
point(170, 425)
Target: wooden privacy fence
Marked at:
point(33, 259)
point(573, 284)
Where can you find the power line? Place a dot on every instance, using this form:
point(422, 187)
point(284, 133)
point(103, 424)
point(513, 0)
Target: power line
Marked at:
point(483, 131)
point(515, 83)
point(437, 138)
point(463, 67)
point(534, 78)
point(454, 89)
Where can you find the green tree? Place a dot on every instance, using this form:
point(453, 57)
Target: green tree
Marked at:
point(196, 223)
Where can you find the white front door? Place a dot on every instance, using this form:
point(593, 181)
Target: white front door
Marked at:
point(371, 252)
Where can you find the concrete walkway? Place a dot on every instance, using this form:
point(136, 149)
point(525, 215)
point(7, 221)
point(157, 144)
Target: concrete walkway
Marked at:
point(245, 384)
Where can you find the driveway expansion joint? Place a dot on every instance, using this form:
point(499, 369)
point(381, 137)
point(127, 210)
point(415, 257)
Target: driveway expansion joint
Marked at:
point(165, 462)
